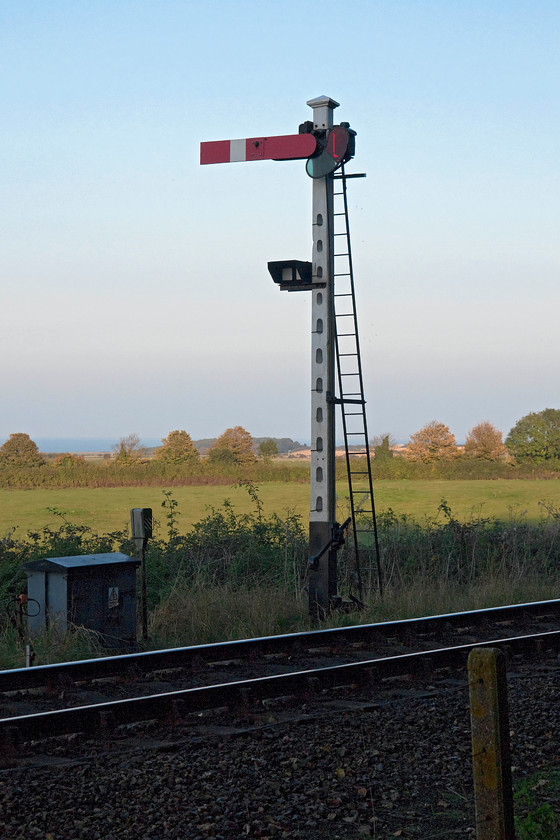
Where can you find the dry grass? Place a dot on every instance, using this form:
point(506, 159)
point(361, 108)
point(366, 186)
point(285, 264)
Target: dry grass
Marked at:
point(200, 614)
point(429, 598)
point(49, 647)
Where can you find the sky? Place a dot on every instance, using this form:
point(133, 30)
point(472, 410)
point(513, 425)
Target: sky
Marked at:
point(134, 291)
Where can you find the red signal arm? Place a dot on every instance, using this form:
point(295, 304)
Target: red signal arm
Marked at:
point(286, 147)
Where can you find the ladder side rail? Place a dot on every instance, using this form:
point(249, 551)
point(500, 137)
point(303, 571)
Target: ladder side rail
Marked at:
point(350, 485)
point(360, 378)
point(347, 457)
point(343, 413)
point(360, 383)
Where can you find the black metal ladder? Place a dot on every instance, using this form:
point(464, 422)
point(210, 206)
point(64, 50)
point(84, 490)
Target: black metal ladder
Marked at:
point(351, 390)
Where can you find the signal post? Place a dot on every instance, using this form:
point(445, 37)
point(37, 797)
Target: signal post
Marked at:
point(322, 510)
point(325, 147)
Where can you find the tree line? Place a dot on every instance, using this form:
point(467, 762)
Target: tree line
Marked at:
point(532, 447)
point(232, 456)
point(234, 446)
point(534, 440)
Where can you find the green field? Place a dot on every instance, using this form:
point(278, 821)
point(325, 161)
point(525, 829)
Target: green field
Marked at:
point(107, 509)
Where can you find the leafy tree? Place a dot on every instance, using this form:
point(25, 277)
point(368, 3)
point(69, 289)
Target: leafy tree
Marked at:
point(20, 451)
point(432, 442)
point(66, 459)
point(536, 438)
point(485, 441)
point(178, 448)
point(128, 450)
point(268, 448)
point(382, 448)
point(234, 447)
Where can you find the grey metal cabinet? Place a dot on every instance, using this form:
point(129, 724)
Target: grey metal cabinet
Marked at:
point(96, 591)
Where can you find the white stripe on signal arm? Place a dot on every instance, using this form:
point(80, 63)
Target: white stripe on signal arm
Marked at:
point(237, 150)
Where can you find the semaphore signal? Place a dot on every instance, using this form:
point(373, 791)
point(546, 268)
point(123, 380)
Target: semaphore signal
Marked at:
point(334, 335)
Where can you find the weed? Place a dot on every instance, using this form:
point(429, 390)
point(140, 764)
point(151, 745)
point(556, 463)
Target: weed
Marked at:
point(539, 824)
point(536, 820)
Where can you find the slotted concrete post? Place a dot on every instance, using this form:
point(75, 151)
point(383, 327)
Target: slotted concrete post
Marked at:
point(323, 574)
point(490, 745)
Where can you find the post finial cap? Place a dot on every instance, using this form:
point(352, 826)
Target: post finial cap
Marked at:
point(322, 102)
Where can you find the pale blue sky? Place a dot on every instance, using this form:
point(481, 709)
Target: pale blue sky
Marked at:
point(134, 290)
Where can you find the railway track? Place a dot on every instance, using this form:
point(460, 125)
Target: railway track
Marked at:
point(100, 695)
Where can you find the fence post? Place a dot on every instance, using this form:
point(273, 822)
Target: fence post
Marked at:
point(490, 745)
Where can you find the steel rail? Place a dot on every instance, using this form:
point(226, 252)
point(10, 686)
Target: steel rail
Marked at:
point(175, 705)
point(182, 657)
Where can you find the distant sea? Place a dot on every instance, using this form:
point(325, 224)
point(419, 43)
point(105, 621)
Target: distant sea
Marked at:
point(107, 444)
point(85, 444)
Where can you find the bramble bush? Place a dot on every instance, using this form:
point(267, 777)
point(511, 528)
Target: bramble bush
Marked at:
point(445, 550)
point(224, 547)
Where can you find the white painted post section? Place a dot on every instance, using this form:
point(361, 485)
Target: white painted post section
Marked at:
point(322, 576)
